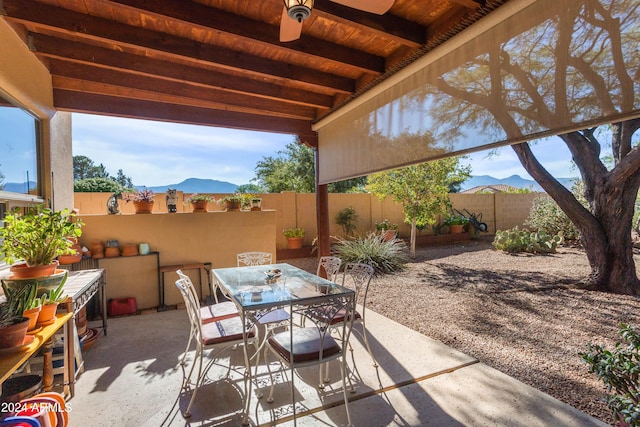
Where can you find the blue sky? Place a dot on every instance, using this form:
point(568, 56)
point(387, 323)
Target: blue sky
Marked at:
point(157, 153)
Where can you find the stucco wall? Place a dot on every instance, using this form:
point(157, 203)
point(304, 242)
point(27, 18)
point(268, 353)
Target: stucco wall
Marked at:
point(214, 237)
point(499, 211)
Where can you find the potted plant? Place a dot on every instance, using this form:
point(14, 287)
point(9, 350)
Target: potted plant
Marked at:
point(232, 202)
point(49, 302)
point(13, 325)
point(36, 239)
point(26, 300)
point(294, 237)
point(199, 201)
point(456, 223)
point(143, 200)
point(387, 230)
point(619, 370)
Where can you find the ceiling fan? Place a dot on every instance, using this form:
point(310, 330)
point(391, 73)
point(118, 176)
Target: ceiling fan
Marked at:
point(296, 11)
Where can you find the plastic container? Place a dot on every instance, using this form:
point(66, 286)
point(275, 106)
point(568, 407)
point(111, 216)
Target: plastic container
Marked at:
point(122, 306)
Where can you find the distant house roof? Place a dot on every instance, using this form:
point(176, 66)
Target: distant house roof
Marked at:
point(496, 188)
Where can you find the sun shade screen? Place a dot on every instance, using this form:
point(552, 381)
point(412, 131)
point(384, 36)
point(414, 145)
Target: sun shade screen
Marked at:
point(528, 70)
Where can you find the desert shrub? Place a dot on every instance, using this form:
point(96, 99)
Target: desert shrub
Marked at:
point(547, 217)
point(619, 370)
point(384, 256)
point(347, 219)
point(516, 240)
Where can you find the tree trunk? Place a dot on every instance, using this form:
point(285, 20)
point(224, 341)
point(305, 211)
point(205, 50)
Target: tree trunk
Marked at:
point(414, 230)
point(605, 228)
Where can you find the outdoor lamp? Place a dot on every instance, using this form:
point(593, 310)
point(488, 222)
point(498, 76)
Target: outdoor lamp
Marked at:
point(298, 9)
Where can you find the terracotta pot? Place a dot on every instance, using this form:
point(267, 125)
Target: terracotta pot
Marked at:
point(47, 314)
point(111, 252)
point(97, 250)
point(32, 314)
point(129, 250)
point(73, 258)
point(13, 335)
point(143, 207)
point(389, 234)
point(200, 205)
point(232, 206)
point(455, 228)
point(294, 242)
point(22, 271)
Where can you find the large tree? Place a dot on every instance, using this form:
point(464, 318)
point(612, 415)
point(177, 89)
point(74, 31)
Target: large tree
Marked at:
point(422, 190)
point(293, 169)
point(578, 66)
point(85, 168)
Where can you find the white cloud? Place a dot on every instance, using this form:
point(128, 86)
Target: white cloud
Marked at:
point(157, 153)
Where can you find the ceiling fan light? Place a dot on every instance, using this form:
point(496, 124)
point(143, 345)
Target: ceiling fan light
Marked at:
point(298, 9)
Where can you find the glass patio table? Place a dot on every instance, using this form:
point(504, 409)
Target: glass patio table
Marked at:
point(256, 295)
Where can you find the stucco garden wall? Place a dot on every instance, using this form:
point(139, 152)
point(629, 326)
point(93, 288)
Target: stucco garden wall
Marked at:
point(499, 211)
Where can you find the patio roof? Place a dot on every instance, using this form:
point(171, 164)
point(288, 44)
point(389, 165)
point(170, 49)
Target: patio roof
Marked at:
point(220, 62)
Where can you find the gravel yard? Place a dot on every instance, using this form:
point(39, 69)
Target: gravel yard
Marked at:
point(520, 314)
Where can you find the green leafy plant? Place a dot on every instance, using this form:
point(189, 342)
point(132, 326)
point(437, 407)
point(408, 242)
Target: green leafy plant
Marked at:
point(545, 215)
point(140, 196)
point(293, 232)
point(456, 219)
point(199, 198)
point(619, 370)
point(24, 298)
point(9, 314)
point(235, 201)
point(385, 225)
point(516, 240)
point(347, 219)
point(385, 256)
point(40, 236)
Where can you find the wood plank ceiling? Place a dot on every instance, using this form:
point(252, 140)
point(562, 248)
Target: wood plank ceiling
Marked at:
point(219, 62)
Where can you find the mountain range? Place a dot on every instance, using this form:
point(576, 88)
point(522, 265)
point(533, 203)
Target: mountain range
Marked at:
point(514, 181)
point(198, 185)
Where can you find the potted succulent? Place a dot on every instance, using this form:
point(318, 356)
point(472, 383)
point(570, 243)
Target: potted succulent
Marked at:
point(13, 325)
point(294, 237)
point(35, 239)
point(456, 223)
point(26, 300)
point(387, 230)
point(618, 369)
point(143, 200)
point(49, 302)
point(199, 201)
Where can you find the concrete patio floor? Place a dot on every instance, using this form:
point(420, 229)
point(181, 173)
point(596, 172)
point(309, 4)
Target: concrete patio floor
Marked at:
point(133, 377)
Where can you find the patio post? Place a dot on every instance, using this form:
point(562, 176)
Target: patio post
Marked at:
point(322, 213)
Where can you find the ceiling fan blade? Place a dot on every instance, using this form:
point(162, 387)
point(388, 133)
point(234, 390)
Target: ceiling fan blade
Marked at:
point(379, 7)
point(290, 29)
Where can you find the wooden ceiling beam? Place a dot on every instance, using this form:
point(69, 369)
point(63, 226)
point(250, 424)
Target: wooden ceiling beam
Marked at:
point(392, 27)
point(80, 102)
point(74, 76)
point(29, 12)
point(51, 47)
point(211, 19)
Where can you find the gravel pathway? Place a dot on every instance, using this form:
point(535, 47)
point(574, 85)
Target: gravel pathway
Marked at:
point(520, 314)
